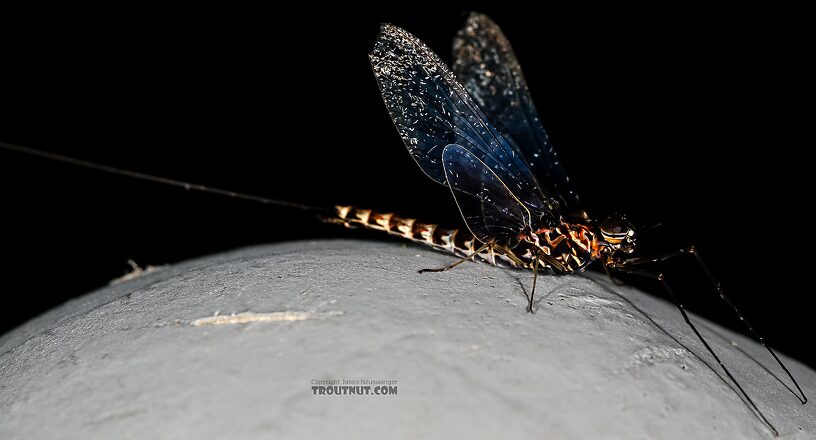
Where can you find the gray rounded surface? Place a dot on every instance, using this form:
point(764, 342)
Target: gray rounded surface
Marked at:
point(232, 345)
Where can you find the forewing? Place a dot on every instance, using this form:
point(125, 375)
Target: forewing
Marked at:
point(432, 110)
point(486, 66)
point(491, 211)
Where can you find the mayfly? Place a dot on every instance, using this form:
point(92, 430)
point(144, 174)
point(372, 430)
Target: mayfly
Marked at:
point(474, 128)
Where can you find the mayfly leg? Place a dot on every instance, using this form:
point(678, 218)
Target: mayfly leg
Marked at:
point(532, 291)
point(472, 256)
point(552, 262)
point(662, 279)
point(691, 250)
point(612, 279)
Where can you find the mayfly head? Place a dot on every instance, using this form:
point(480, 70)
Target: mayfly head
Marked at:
point(618, 233)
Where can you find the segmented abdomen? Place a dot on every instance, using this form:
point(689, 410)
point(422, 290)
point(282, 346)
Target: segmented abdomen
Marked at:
point(453, 241)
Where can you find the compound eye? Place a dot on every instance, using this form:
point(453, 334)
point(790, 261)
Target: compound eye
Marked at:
point(616, 229)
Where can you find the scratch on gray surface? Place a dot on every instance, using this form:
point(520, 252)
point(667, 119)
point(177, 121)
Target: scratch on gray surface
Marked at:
point(114, 416)
point(136, 272)
point(650, 355)
point(249, 317)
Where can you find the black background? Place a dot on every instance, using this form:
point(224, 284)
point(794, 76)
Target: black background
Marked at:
point(693, 117)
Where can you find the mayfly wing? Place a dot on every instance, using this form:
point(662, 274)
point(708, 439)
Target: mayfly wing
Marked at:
point(491, 211)
point(432, 110)
point(485, 64)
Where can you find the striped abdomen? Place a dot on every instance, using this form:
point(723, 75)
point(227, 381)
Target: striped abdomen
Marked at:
point(452, 241)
